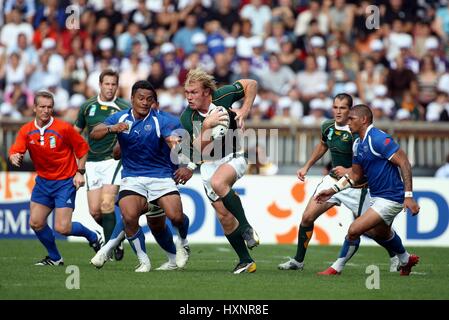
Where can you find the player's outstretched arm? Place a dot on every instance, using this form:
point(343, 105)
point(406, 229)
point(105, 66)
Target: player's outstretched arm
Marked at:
point(101, 130)
point(318, 152)
point(250, 88)
point(347, 181)
point(400, 159)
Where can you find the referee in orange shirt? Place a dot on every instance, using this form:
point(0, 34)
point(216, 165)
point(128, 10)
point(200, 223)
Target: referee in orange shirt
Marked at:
point(54, 148)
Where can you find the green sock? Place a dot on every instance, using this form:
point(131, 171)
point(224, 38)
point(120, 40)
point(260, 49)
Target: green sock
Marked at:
point(237, 242)
point(108, 225)
point(304, 236)
point(232, 202)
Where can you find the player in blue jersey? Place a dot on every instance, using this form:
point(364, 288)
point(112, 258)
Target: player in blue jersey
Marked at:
point(377, 156)
point(147, 176)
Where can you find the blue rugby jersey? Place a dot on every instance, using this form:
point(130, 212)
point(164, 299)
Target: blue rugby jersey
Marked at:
point(373, 154)
point(144, 150)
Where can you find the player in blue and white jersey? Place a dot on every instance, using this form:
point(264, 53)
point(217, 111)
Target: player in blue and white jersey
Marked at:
point(143, 134)
point(378, 157)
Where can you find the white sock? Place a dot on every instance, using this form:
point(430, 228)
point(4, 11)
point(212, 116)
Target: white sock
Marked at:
point(184, 242)
point(113, 243)
point(403, 257)
point(339, 264)
point(171, 257)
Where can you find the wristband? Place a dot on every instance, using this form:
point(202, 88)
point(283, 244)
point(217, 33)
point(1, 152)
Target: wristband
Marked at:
point(192, 166)
point(408, 194)
point(82, 171)
point(342, 184)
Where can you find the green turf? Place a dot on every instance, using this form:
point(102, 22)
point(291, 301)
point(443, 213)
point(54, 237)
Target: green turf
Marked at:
point(208, 275)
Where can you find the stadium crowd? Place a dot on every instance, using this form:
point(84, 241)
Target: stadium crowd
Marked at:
point(393, 56)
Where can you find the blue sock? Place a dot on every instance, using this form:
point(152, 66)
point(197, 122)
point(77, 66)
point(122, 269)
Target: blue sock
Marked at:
point(137, 242)
point(119, 227)
point(394, 244)
point(47, 238)
point(349, 248)
point(184, 228)
point(380, 243)
point(165, 240)
point(81, 231)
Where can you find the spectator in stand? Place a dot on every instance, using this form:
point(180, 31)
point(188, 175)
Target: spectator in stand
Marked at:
point(435, 109)
point(278, 79)
point(227, 14)
point(157, 75)
point(306, 81)
point(427, 80)
point(222, 73)
point(314, 12)
point(183, 37)
point(400, 80)
point(26, 7)
point(341, 17)
point(15, 26)
point(113, 16)
point(441, 23)
point(432, 48)
point(260, 16)
point(289, 55)
point(244, 71)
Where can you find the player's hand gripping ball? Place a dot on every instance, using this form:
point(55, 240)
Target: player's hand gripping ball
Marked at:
point(222, 127)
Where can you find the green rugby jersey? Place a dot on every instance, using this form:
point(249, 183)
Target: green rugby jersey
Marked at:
point(224, 96)
point(94, 112)
point(339, 141)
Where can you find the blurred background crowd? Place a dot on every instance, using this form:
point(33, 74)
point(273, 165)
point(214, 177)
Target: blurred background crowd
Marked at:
point(394, 56)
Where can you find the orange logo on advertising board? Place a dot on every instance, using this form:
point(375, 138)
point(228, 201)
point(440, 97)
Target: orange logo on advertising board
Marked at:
point(11, 186)
point(298, 194)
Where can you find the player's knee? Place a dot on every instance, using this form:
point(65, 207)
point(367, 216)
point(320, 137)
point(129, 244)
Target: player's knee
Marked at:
point(107, 203)
point(178, 220)
point(218, 186)
point(307, 220)
point(353, 232)
point(107, 206)
point(37, 225)
point(228, 222)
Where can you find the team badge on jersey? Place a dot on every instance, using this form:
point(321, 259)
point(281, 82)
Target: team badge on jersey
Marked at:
point(104, 108)
point(52, 142)
point(92, 111)
point(329, 135)
point(345, 137)
point(147, 127)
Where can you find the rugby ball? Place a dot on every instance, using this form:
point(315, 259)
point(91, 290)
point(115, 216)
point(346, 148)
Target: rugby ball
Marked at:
point(220, 129)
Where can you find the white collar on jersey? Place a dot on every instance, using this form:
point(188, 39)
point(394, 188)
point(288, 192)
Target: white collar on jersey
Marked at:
point(211, 106)
point(134, 119)
point(107, 103)
point(367, 130)
point(342, 128)
point(42, 130)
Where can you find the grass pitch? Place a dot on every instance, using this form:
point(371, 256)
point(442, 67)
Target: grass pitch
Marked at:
point(208, 275)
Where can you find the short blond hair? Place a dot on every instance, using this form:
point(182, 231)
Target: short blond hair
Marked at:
point(201, 76)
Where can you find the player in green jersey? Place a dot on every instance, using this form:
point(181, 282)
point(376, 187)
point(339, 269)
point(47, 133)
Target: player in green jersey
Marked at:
point(219, 173)
point(338, 139)
point(103, 173)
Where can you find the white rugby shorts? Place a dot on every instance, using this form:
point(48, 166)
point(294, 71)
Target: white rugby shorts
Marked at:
point(99, 173)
